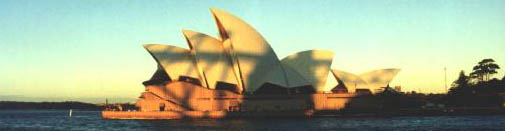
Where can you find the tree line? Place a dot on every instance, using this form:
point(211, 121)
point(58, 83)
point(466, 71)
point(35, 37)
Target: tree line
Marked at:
point(478, 88)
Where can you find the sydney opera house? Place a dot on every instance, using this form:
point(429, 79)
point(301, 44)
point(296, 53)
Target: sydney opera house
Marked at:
point(240, 72)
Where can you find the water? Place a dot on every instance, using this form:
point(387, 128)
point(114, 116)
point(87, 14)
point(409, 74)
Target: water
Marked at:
point(91, 120)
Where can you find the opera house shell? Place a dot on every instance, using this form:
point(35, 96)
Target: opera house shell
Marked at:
point(239, 71)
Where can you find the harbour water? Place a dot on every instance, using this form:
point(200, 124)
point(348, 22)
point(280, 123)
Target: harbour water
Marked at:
point(91, 120)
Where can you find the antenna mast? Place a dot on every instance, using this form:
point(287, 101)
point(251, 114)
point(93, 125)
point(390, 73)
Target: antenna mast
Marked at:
point(445, 79)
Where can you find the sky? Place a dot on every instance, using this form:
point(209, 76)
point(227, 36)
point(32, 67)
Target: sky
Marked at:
point(59, 50)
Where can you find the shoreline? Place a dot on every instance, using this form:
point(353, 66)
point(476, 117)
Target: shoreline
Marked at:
point(65, 105)
point(301, 114)
point(345, 113)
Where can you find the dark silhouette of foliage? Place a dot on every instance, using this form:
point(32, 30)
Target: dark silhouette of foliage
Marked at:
point(484, 70)
point(462, 81)
point(460, 89)
point(485, 92)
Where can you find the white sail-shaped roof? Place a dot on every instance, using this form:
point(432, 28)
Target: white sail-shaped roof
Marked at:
point(313, 65)
point(236, 70)
point(379, 78)
point(254, 56)
point(212, 60)
point(331, 82)
point(294, 79)
point(350, 81)
point(175, 61)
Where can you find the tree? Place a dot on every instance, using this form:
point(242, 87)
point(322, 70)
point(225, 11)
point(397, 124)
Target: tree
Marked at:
point(484, 70)
point(462, 81)
point(460, 90)
point(459, 86)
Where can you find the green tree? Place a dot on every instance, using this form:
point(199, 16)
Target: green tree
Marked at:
point(484, 70)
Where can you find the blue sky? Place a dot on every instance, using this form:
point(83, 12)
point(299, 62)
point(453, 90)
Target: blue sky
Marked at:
point(80, 49)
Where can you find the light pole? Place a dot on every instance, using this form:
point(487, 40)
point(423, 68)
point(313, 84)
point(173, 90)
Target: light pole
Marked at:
point(445, 79)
